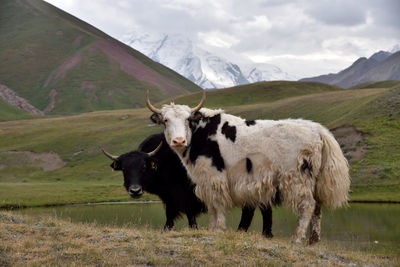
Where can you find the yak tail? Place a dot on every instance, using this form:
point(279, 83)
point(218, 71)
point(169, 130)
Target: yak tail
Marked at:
point(333, 181)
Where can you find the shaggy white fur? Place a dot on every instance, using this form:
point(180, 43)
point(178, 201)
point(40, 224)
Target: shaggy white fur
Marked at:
point(278, 151)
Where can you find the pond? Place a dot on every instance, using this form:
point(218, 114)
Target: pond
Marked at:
point(373, 227)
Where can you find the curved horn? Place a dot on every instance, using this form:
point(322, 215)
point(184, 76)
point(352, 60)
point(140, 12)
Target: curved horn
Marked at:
point(150, 106)
point(203, 98)
point(152, 153)
point(109, 155)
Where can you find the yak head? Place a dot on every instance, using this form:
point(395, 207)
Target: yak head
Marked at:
point(176, 119)
point(139, 170)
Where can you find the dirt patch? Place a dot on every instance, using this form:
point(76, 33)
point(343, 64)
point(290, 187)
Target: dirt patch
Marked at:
point(48, 161)
point(2, 166)
point(90, 89)
point(78, 41)
point(11, 97)
point(137, 69)
point(62, 70)
point(352, 142)
point(88, 85)
point(52, 97)
point(117, 90)
point(59, 32)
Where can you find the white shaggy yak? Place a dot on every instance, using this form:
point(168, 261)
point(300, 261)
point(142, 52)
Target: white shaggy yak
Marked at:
point(237, 162)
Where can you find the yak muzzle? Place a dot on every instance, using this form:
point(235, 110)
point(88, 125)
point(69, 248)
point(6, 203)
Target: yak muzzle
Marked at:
point(135, 191)
point(179, 142)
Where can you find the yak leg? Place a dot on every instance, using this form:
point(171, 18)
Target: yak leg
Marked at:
point(221, 221)
point(305, 208)
point(315, 229)
point(247, 217)
point(192, 221)
point(266, 212)
point(171, 215)
point(213, 217)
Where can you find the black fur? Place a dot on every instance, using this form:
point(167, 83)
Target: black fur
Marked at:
point(156, 118)
point(278, 198)
point(249, 165)
point(168, 180)
point(306, 166)
point(201, 145)
point(247, 216)
point(229, 131)
point(250, 123)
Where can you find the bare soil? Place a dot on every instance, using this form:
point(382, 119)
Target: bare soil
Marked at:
point(352, 142)
point(136, 68)
point(48, 161)
point(63, 69)
point(52, 97)
point(12, 98)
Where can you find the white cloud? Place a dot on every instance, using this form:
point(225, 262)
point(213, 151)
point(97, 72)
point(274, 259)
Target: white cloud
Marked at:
point(217, 39)
point(300, 36)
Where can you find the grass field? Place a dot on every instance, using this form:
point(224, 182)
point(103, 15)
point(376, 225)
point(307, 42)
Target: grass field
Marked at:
point(48, 241)
point(87, 177)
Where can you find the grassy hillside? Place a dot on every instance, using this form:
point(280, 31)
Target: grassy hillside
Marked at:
point(382, 84)
point(261, 92)
point(63, 65)
point(87, 177)
point(9, 112)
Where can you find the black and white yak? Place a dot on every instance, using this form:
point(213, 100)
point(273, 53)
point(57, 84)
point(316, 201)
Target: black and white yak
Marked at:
point(155, 168)
point(234, 161)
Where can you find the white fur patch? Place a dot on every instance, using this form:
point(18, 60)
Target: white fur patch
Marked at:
point(211, 112)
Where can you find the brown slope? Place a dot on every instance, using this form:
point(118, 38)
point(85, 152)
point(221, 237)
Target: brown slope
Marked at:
point(135, 68)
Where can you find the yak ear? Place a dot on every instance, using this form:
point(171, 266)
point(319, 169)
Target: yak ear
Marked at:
point(152, 164)
point(156, 118)
point(116, 166)
point(196, 116)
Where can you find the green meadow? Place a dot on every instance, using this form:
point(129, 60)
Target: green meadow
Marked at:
point(87, 177)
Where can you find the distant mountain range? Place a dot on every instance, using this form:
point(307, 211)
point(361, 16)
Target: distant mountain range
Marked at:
point(54, 63)
point(381, 66)
point(207, 70)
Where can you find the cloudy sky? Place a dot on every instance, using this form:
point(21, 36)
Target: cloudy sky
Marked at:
point(304, 38)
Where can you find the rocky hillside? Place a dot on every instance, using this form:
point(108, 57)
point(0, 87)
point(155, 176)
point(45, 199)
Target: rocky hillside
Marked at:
point(381, 66)
point(62, 65)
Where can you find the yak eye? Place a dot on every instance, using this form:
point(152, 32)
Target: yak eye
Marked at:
point(165, 120)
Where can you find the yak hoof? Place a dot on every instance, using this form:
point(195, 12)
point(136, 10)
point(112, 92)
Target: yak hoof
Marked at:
point(168, 227)
point(314, 238)
point(268, 235)
point(297, 240)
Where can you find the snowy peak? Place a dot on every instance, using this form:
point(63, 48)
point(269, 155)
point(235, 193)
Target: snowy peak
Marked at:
point(207, 70)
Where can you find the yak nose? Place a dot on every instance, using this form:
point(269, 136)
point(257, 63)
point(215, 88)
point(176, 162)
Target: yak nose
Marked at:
point(179, 141)
point(135, 190)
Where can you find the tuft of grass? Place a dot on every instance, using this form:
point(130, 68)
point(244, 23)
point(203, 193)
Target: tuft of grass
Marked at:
point(48, 241)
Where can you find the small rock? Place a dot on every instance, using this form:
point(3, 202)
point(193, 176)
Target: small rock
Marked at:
point(16, 220)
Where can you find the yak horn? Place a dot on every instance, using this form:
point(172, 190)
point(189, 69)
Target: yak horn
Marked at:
point(109, 155)
point(152, 153)
point(150, 106)
point(203, 98)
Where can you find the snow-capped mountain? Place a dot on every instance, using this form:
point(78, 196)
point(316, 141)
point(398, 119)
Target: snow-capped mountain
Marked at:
point(207, 70)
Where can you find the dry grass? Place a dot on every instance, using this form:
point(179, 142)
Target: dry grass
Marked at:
point(28, 241)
